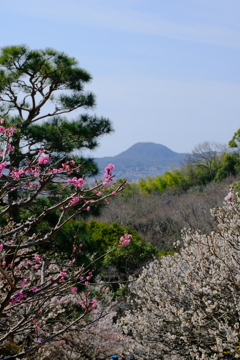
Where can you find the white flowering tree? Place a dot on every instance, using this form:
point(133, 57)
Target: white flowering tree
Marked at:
point(189, 304)
point(40, 298)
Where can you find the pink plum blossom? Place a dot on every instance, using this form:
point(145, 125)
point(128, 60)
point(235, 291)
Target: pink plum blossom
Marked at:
point(10, 148)
point(23, 281)
point(74, 201)
point(109, 167)
point(63, 273)
point(125, 240)
point(94, 303)
point(44, 160)
point(2, 166)
point(76, 182)
point(74, 289)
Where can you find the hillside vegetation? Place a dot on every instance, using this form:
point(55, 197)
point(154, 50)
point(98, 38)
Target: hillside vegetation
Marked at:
point(159, 208)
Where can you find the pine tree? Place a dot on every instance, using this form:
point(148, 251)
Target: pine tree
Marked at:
point(37, 88)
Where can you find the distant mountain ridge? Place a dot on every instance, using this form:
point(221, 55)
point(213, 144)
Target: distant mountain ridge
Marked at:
point(142, 159)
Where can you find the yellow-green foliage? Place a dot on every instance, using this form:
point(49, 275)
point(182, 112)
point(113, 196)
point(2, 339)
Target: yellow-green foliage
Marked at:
point(164, 253)
point(169, 180)
point(194, 174)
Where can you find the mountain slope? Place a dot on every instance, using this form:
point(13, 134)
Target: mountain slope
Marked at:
point(148, 149)
point(142, 159)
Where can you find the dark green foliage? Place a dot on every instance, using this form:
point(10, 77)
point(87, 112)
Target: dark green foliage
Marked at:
point(63, 136)
point(98, 239)
point(56, 69)
point(74, 233)
point(130, 258)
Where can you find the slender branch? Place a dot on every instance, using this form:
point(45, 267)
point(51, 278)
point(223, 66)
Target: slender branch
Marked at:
point(7, 278)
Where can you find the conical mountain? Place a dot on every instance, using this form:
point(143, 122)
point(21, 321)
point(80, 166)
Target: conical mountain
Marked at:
point(141, 159)
point(148, 150)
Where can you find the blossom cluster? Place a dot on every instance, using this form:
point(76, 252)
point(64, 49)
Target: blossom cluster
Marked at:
point(108, 173)
point(6, 130)
point(76, 182)
point(125, 240)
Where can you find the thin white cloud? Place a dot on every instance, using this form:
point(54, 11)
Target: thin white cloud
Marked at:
point(108, 14)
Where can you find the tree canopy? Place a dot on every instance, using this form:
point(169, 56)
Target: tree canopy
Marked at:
point(234, 142)
point(37, 88)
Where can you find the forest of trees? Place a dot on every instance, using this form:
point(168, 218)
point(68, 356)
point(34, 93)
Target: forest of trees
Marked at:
point(88, 271)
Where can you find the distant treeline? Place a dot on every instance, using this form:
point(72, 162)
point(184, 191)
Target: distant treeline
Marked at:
point(200, 169)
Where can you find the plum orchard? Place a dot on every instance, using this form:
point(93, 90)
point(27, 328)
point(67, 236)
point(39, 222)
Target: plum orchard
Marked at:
point(36, 292)
point(189, 304)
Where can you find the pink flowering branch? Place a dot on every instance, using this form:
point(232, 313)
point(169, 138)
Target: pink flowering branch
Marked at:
point(35, 291)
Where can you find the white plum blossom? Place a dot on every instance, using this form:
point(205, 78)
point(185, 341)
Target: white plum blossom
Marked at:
point(188, 304)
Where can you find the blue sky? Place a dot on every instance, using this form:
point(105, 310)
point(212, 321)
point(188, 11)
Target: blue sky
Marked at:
point(165, 71)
